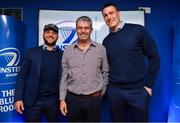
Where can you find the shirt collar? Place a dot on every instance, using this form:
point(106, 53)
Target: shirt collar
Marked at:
point(120, 27)
point(45, 47)
point(92, 44)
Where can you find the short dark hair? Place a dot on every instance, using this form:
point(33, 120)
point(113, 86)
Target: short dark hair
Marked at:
point(110, 4)
point(84, 18)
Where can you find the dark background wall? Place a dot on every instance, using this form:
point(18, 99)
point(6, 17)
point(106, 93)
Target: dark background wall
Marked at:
point(160, 23)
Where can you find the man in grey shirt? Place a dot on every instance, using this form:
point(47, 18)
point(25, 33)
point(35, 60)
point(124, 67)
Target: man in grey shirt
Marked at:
point(84, 76)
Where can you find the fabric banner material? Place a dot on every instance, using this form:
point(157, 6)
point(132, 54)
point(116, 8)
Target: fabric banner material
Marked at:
point(11, 51)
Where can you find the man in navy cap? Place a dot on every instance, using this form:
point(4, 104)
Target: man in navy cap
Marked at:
point(37, 84)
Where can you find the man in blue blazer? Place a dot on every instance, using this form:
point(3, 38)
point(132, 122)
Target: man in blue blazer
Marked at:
point(37, 86)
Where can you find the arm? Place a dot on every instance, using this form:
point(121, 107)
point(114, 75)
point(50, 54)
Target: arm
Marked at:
point(63, 83)
point(105, 70)
point(20, 83)
point(150, 50)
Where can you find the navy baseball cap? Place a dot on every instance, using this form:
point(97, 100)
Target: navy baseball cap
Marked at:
point(51, 26)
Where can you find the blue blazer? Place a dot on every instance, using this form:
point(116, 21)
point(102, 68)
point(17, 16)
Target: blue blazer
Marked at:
point(27, 82)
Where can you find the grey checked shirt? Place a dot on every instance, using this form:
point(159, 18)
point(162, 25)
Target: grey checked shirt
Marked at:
point(84, 72)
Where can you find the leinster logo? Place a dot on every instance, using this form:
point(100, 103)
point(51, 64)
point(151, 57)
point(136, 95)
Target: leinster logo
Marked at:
point(9, 58)
point(67, 31)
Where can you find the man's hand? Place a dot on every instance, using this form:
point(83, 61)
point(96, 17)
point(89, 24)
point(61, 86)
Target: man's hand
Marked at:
point(149, 90)
point(19, 106)
point(63, 107)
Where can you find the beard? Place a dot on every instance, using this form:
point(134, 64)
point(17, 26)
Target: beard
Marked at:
point(50, 43)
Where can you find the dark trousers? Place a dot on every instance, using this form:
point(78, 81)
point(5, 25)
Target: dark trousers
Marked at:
point(48, 107)
point(128, 105)
point(83, 108)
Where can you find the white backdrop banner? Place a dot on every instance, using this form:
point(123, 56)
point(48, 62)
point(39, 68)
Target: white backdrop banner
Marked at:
point(65, 20)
